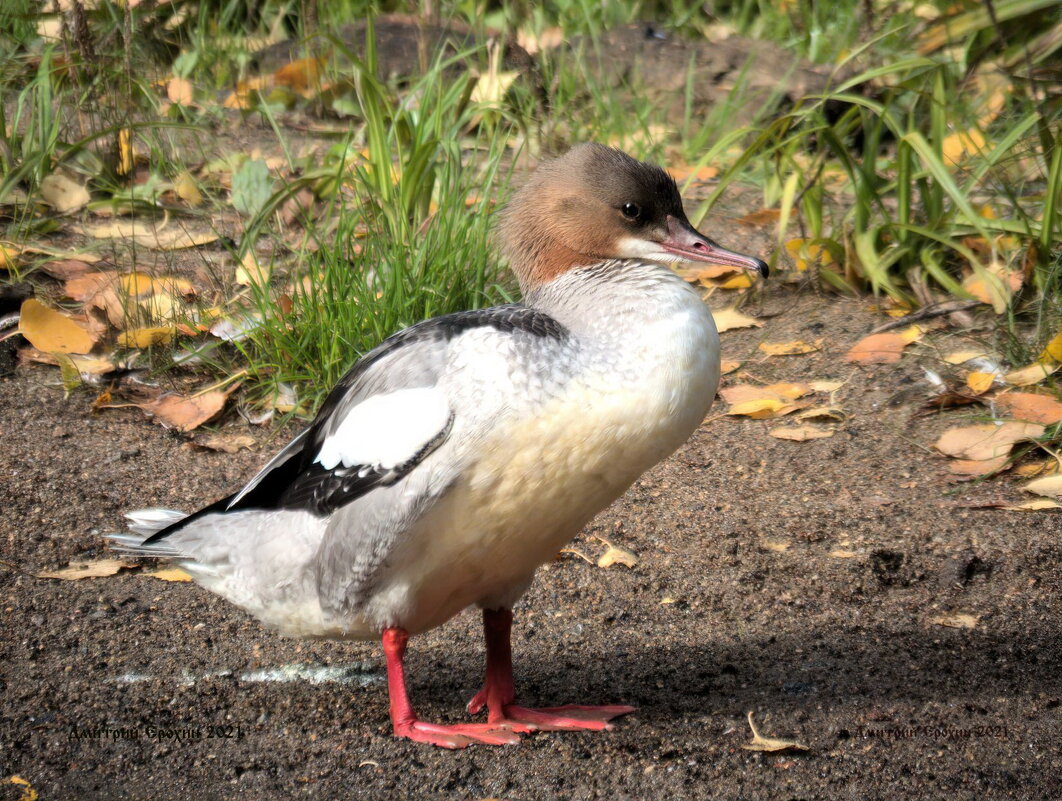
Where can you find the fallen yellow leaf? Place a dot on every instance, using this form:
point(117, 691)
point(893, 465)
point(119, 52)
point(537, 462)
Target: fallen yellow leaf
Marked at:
point(770, 744)
point(729, 319)
point(758, 409)
point(617, 556)
point(187, 189)
point(957, 147)
point(956, 620)
point(88, 569)
point(1037, 505)
point(146, 337)
point(825, 386)
point(739, 281)
point(63, 193)
point(995, 285)
point(794, 348)
point(226, 443)
point(52, 331)
point(1053, 351)
point(822, 413)
point(961, 356)
point(170, 574)
point(1049, 486)
point(739, 393)
point(979, 383)
point(1031, 374)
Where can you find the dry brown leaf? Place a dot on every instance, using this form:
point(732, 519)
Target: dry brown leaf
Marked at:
point(728, 366)
point(1031, 374)
point(74, 368)
point(249, 272)
point(977, 467)
point(1037, 505)
point(302, 75)
point(163, 237)
point(226, 443)
point(794, 348)
point(729, 319)
point(703, 273)
point(549, 39)
point(777, 546)
point(84, 286)
point(841, 553)
point(117, 229)
point(680, 172)
point(63, 193)
point(180, 91)
point(170, 574)
point(186, 413)
point(987, 440)
point(761, 218)
point(617, 556)
point(789, 390)
point(800, 433)
point(179, 239)
point(88, 569)
point(995, 285)
point(830, 413)
point(1030, 406)
point(956, 620)
point(884, 348)
point(979, 383)
point(1049, 486)
point(770, 744)
point(1033, 469)
point(825, 386)
point(52, 331)
point(65, 269)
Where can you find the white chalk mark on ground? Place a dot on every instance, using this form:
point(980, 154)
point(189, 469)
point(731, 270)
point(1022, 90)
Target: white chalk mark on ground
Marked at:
point(360, 673)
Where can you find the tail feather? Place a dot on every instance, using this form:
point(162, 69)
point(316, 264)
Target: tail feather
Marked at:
point(143, 524)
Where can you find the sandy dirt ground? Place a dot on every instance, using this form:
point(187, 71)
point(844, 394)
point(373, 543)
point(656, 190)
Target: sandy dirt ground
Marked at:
point(796, 580)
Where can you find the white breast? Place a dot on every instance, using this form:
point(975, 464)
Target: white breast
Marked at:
point(556, 461)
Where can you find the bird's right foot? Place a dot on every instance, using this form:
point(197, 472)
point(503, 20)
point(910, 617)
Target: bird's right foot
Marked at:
point(459, 735)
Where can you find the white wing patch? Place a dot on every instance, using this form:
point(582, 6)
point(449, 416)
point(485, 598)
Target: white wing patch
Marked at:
point(385, 431)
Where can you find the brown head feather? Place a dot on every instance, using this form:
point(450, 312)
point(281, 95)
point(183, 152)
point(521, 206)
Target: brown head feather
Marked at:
point(569, 213)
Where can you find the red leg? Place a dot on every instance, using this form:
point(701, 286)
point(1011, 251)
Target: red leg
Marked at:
point(404, 719)
point(498, 691)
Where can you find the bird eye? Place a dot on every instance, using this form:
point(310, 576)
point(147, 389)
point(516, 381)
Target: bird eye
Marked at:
point(632, 211)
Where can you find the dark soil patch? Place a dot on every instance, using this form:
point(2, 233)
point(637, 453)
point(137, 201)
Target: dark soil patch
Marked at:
point(835, 651)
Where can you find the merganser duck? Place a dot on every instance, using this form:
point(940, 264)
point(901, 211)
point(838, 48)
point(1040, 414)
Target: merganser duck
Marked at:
point(463, 452)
